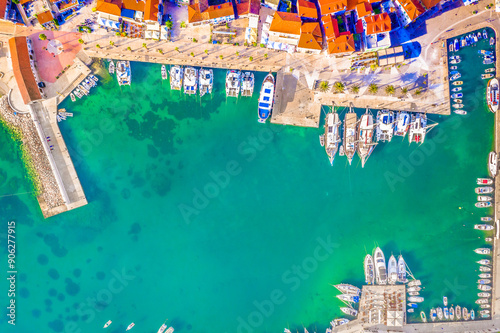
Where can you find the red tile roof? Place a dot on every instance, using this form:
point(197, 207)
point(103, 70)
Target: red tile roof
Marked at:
point(137, 5)
point(45, 17)
point(307, 9)
point(22, 69)
point(310, 36)
point(330, 26)
point(342, 44)
point(412, 7)
point(248, 7)
point(331, 6)
point(287, 23)
point(376, 24)
point(430, 3)
point(363, 9)
point(112, 7)
point(151, 10)
point(196, 12)
point(3, 7)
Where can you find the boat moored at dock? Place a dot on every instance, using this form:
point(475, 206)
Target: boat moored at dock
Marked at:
point(482, 250)
point(483, 198)
point(365, 140)
point(129, 327)
point(266, 98)
point(483, 204)
point(206, 81)
point(331, 137)
point(176, 77)
point(123, 72)
point(107, 323)
point(349, 311)
point(485, 227)
point(484, 181)
point(111, 67)
point(164, 73)
point(247, 84)
point(233, 83)
point(423, 317)
point(190, 80)
point(484, 190)
point(380, 268)
point(402, 270)
point(392, 270)
point(492, 164)
point(350, 137)
point(402, 124)
point(348, 289)
point(348, 298)
point(385, 125)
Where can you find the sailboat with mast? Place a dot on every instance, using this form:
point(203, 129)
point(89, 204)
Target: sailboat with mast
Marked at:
point(332, 136)
point(419, 127)
point(365, 137)
point(385, 125)
point(350, 136)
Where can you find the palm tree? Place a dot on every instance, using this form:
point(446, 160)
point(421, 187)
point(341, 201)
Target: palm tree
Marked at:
point(221, 57)
point(81, 41)
point(98, 46)
point(206, 51)
point(418, 91)
point(265, 55)
point(373, 88)
point(192, 54)
point(237, 53)
point(390, 90)
point(144, 45)
point(355, 89)
point(177, 49)
point(324, 86)
point(251, 58)
point(169, 24)
point(42, 37)
point(404, 90)
point(183, 24)
point(339, 87)
point(160, 51)
point(129, 48)
point(111, 43)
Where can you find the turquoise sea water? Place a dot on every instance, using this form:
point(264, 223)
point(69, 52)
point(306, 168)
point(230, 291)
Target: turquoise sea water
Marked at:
point(199, 214)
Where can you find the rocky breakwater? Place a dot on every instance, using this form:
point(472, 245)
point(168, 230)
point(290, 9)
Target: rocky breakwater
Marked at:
point(35, 158)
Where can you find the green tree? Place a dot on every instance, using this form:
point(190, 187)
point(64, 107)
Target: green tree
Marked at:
point(160, 51)
point(339, 87)
point(373, 88)
point(221, 57)
point(98, 46)
point(42, 37)
point(129, 48)
point(251, 58)
point(237, 53)
point(404, 90)
point(144, 46)
point(390, 90)
point(15, 2)
point(177, 49)
point(192, 54)
point(418, 91)
point(324, 86)
point(355, 89)
point(169, 24)
point(81, 41)
point(265, 55)
point(206, 51)
point(183, 24)
point(111, 43)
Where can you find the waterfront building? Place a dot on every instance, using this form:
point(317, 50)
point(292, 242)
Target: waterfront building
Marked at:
point(330, 27)
point(46, 20)
point(407, 11)
point(311, 38)
point(307, 10)
point(111, 12)
point(342, 45)
point(250, 9)
point(375, 31)
point(23, 65)
point(199, 13)
point(363, 9)
point(285, 30)
point(328, 7)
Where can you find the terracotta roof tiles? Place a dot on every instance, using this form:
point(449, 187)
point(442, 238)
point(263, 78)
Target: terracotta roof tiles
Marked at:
point(21, 67)
point(287, 23)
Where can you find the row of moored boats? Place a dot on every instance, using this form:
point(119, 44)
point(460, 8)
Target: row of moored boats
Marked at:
point(83, 89)
point(163, 328)
point(452, 313)
point(122, 70)
point(363, 134)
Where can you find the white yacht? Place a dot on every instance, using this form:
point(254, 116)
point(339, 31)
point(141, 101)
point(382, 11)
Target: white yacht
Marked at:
point(380, 269)
point(111, 67)
point(176, 77)
point(190, 80)
point(164, 73)
point(349, 311)
point(233, 83)
point(348, 298)
point(365, 137)
point(369, 270)
point(418, 128)
point(348, 289)
point(402, 270)
point(123, 73)
point(247, 84)
point(402, 124)
point(392, 270)
point(492, 164)
point(206, 81)
point(331, 136)
point(350, 137)
point(385, 125)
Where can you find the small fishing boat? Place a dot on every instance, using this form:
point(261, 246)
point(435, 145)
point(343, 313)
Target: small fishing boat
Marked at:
point(455, 61)
point(392, 270)
point(453, 67)
point(446, 313)
point(93, 77)
point(164, 74)
point(176, 77)
point(247, 84)
point(472, 315)
point(369, 270)
point(484, 190)
point(483, 198)
point(440, 313)
point(485, 34)
point(485, 227)
point(479, 36)
point(484, 269)
point(485, 306)
point(348, 289)
point(458, 312)
point(465, 313)
point(457, 83)
point(488, 239)
point(452, 313)
point(416, 299)
point(484, 181)
point(413, 289)
point(486, 53)
point(482, 250)
point(458, 106)
point(107, 323)
point(401, 270)
point(206, 81)
point(348, 298)
point(484, 287)
point(412, 305)
point(413, 293)
point(266, 98)
point(411, 310)
point(475, 38)
point(380, 269)
point(349, 311)
point(460, 112)
point(456, 89)
point(72, 97)
point(484, 313)
point(451, 48)
point(490, 70)
point(433, 314)
point(423, 317)
point(483, 294)
point(486, 76)
point(483, 204)
point(492, 41)
point(129, 327)
point(492, 164)
point(487, 218)
point(445, 301)
point(455, 57)
point(457, 95)
point(457, 100)
point(414, 283)
point(455, 75)
point(485, 275)
point(463, 43)
point(484, 262)
point(484, 281)
point(488, 61)
point(456, 45)
point(482, 300)
point(331, 139)
point(111, 67)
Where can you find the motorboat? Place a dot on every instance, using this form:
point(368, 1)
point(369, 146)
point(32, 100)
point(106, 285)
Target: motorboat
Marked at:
point(380, 269)
point(483, 294)
point(472, 315)
point(456, 45)
point(484, 269)
point(410, 310)
point(454, 67)
point(486, 76)
point(455, 75)
point(457, 83)
point(385, 125)
point(414, 283)
point(176, 77)
point(482, 250)
point(451, 47)
point(484, 313)
point(93, 77)
point(488, 61)
point(350, 136)
point(484, 181)
point(485, 306)
point(233, 86)
point(107, 323)
point(483, 204)
point(190, 80)
point(339, 322)
point(413, 289)
point(488, 239)
point(111, 67)
point(247, 84)
point(485, 227)
point(455, 57)
point(484, 287)
point(392, 270)
point(162, 328)
point(487, 218)
point(416, 299)
point(72, 97)
point(482, 300)
point(484, 190)
point(349, 311)
point(331, 137)
point(123, 72)
point(365, 137)
point(465, 313)
point(433, 314)
point(485, 34)
point(458, 312)
point(402, 124)
point(486, 53)
point(484, 262)
point(460, 112)
point(492, 94)
point(369, 270)
point(206, 81)
point(401, 270)
point(483, 198)
point(457, 95)
point(164, 73)
point(440, 313)
point(463, 43)
point(348, 289)
point(455, 61)
point(266, 98)
point(484, 281)
point(445, 301)
point(446, 313)
point(413, 293)
point(458, 106)
point(490, 70)
point(492, 41)
point(129, 327)
point(423, 317)
point(418, 128)
point(456, 89)
point(412, 305)
point(348, 298)
point(452, 313)
point(457, 100)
